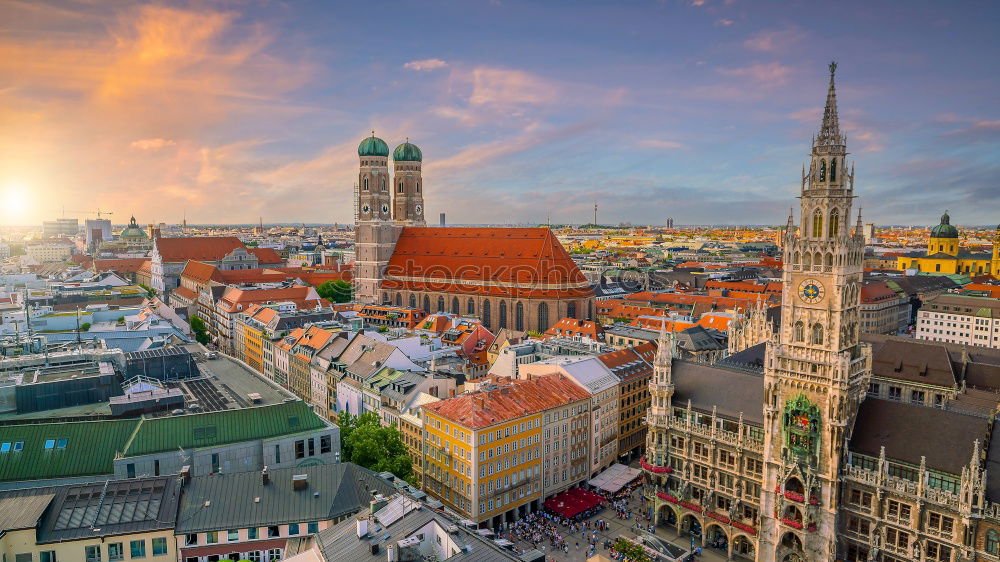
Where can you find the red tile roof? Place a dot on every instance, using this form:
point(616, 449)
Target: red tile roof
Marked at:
point(202, 273)
point(574, 327)
point(509, 400)
point(235, 299)
point(124, 265)
point(267, 256)
point(201, 248)
point(505, 261)
point(874, 292)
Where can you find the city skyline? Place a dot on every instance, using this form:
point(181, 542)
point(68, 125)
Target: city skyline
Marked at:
point(697, 110)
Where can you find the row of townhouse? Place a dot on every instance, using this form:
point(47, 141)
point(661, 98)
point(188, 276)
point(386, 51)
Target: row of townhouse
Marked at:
point(237, 516)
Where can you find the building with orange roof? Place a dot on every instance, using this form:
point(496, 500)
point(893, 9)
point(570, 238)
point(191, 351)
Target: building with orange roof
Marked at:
point(574, 328)
point(883, 310)
point(127, 268)
point(170, 255)
point(521, 278)
point(483, 449)
point(236, 300)
point(634, 366)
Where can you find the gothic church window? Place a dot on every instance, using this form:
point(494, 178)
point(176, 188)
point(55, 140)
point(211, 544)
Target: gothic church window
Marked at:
point(519, 316)
point(364, 184)
point(571, 309)
point(427, 304)
point(834, 223)
point(399, 299)
point(502, 311)
point(413, 301)
point(800, 331)
point(993, 542)
point(486, 313)
point(817, 224)
point(822, 170)
point(817, 334)
point(440, 304)
point(833, 170)
point(543, 317)
point(454, 306)
point(400, 187)
point(470, 309)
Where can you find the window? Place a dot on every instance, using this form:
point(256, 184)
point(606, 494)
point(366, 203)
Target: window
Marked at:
point(440, 304)
point(191, 539)
point(272, 532)
point(325, 444)
point(50, 443)
point(293, 528)
point(137, 549)
point(800, 332)
point(543, 317)
point(817, 230)
point(159, 546)
point(130, 470)
point(470, 307)
point(940, 524)
point(233, 535)
point(486, 315)
point(917, 397)
point(859, 497)
point(22, 557)
point(212, 537)
point(519, 316)
point(313, 527)
point(502, 312)
point(216, 466)
point(4, 447)
point(817, 334)
point(834, 221)
point(858, 526)
point(92, 553)
point(300, 449)
point(47, 556)
point(898, 511)
point(822, 170)
point(571, 309)
point(252, 533)
point(899, 539)
point(895, 393)
point(992, 544)
point(937, 551)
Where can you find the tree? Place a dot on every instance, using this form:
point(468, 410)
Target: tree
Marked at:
point(336, 291)
point(199, 329)
point(631, 551)
point(150, 293)
point(366, 442)
point(85, 327)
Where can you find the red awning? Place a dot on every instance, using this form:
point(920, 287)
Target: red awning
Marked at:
point(573, 502)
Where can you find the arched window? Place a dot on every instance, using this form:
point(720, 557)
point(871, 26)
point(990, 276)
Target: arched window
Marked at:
point(440, 304)
point(502, 312)
point(807, 260)
point(834, 223)
point(399, 299)
point(383, 184)
point(486, 313)
point(833, 170)
point(470, 307)
point(800, 331)
point(364, 184)
point(400, 187)
point(413, 301)
point(817, 224)
point(829, 259)
point(571, 309)
point(454, 306)
point(519, 316)
point(817, 336)
point(822, 170)
point(427, 304)
point(418, 187)
point(543, 317)
point(992, 542)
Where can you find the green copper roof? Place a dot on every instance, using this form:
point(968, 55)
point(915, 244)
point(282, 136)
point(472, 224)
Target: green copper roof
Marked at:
point(373, 146)
point(945, 229)
point(407, 152)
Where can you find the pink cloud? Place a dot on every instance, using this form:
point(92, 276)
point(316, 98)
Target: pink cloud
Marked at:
point(152, 144)
point(425, 64)
point(495, 86)
point(771, 73)
point(660, 144)
point(775, 41)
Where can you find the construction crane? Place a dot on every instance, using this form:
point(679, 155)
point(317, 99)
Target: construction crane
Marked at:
point(98, 212)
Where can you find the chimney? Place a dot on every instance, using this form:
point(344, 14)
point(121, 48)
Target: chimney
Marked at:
point(361, 526)
point(185, 474)
point(392, 552)
point(264, 480)
point(300, 482)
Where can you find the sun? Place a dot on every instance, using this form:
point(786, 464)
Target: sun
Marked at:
point(15, 203)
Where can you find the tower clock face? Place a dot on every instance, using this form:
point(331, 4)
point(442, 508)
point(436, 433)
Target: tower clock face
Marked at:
point(811, 291)
point(419, 209)
point(365, 209)
point(385, 209)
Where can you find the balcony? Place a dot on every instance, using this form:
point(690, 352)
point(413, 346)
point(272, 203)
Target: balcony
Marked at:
point(653, 468)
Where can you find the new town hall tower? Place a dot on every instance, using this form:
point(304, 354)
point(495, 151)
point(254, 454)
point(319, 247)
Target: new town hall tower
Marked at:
point(816, 371)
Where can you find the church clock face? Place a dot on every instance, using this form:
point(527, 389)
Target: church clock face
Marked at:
point(385, 209)
point(365, 209)
point(811, 291)
point(419, 209)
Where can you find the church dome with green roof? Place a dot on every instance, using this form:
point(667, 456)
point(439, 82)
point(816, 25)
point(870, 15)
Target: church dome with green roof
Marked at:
point(132, 231)
point(407, 152)
point(373, 146)
point(945, 229)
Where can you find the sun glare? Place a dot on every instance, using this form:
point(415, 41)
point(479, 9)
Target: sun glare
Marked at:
point(15, 202)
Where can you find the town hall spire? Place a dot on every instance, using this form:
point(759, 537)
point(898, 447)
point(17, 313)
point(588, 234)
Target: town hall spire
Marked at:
point(829, 131)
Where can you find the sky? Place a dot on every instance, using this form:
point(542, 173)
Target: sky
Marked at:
point(526, 112)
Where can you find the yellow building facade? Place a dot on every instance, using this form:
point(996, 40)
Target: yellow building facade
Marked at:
point(945, 255)
point(253, 341)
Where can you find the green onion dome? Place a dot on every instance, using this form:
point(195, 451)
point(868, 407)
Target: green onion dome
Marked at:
point(407, 152)
point(945, 229)
point(373, 146)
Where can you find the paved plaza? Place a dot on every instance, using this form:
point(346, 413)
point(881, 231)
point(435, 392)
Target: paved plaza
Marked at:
point(616, 527)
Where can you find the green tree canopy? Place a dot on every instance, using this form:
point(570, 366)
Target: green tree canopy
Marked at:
point(336, 291)
point(368, 443)
point(199, 329)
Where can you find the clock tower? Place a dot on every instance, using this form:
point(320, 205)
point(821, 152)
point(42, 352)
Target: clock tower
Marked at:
point(374, 233)
point(816, 370)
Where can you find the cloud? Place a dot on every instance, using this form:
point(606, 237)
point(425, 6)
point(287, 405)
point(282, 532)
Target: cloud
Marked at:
point(501, 87)
point(724, 22)
point(771, 73)
point(152, 144)
point(661, 144)
point(425, 65)
point(775, 41)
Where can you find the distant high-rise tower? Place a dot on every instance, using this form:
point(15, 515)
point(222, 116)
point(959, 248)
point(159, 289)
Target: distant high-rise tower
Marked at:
point(670, 222)
point(595, 213)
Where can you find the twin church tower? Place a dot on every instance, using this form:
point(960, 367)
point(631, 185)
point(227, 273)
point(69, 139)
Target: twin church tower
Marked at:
point(383, 205)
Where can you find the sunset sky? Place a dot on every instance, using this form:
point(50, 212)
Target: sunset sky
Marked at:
point(699, 109)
